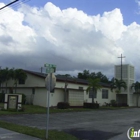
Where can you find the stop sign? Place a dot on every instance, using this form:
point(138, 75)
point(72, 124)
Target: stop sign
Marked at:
point(50, 80)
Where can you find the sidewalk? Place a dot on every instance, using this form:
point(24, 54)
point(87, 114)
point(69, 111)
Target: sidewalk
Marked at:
point(11, 135)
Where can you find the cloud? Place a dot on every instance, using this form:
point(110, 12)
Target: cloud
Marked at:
point(138, 3)
point(69, 38)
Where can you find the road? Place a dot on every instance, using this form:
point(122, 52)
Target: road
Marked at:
point(89, 125)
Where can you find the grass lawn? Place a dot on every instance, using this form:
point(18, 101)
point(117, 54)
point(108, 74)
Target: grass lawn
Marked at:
point(35, 132)
point(34, 109)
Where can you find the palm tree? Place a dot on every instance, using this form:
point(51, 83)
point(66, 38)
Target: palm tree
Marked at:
point(5, 75)
point(118, 85)
point(2, 78)
point(136, 87)
point(19, 75)
point(94, 85)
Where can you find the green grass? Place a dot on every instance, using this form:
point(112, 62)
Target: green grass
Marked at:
point(35, 132)
point(34, 109)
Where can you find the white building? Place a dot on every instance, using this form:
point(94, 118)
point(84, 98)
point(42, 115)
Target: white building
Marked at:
point(36, 93)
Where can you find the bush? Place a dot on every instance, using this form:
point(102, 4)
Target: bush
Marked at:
point(113, 103)
point(2, 96)
point(63, 105)
point(91, 105)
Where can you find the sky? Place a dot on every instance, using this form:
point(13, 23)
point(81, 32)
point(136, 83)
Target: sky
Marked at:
point(72, 34)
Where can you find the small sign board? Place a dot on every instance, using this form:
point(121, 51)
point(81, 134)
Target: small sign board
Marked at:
point(13, 99)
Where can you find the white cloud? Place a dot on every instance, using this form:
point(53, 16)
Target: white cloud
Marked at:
point(69, 38)
point(138, 2)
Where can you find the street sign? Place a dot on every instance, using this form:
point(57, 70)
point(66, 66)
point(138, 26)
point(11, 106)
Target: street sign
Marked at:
point(50, 68)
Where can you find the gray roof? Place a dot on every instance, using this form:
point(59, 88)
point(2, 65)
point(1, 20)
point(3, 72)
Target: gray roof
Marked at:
point(64, 78)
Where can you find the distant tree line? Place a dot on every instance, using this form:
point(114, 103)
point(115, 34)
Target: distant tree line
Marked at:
point(93, 75)
point(87, 75)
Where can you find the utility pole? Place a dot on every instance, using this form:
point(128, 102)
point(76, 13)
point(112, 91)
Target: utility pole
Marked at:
point(121, 64)
point(9, 4)
point(65, 94)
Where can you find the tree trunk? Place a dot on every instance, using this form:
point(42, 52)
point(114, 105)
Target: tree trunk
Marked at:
point(93, 98)
point(6, 88)
point(15, 88)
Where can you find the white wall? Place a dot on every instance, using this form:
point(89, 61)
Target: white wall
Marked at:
point(40, 97)
point(41, 94)
point(99, 99)
point(57, 96)
point(31, 81)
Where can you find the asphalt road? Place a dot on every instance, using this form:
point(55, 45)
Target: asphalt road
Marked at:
point(90, 125)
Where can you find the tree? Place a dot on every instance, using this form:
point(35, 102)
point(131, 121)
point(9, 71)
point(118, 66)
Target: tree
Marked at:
point(118, 85)
point(103, 78)
point(5, 75)
point(136, 87)
point(94, 85)
point(86, 75)
point(19, 75)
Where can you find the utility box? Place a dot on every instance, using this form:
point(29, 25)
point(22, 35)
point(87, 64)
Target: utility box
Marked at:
point(13, 101)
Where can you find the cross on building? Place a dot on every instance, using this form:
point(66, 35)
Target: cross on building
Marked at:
point(121, 64)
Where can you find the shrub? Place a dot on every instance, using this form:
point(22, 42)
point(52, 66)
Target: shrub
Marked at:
point(91, 105)
point(63, 105)
point(113, 103)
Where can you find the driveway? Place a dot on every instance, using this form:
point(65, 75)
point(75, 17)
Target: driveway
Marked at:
point(89, 125)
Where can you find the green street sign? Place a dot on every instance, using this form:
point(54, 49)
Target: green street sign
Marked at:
point(50, 68)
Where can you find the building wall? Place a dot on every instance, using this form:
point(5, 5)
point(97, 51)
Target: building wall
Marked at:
point(99, 99)
point(36, 85)
point(41, 97)
point(70, 85)
point(57, 96)
point(31, 81)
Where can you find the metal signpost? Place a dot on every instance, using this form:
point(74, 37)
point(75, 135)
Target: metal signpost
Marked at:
point(50, 84)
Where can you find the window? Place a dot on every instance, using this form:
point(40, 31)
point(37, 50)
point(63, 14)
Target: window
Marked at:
point(104, 94)
point(92, 94)
point(20, 81)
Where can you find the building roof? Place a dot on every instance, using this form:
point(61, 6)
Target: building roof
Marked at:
point(62, 78)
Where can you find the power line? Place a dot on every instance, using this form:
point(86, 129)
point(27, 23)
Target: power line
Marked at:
point(8, 4)
point(14, 4)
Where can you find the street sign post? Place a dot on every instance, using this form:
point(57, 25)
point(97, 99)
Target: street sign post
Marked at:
point(50, 83)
